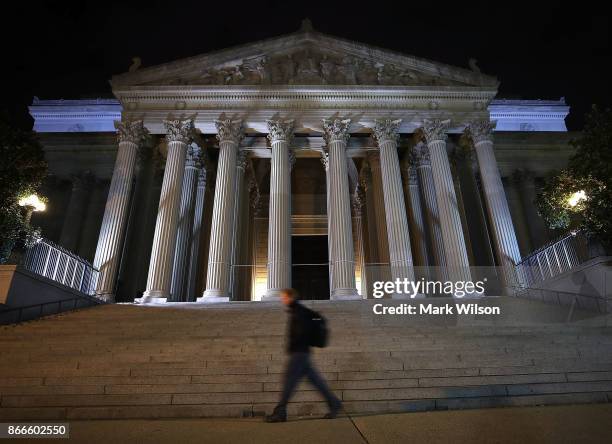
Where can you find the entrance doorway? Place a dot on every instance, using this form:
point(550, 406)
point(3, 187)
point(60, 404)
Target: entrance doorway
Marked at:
point(310, 271)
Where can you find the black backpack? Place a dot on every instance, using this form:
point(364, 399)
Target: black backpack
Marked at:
point(319, 334)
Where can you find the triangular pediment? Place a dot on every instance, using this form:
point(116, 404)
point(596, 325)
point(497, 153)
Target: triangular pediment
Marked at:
point(303, 58)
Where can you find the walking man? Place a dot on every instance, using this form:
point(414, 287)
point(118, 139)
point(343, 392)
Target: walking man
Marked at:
point(302, 328)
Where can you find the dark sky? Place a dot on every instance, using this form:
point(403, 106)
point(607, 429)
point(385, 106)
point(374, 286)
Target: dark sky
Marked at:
point(70, 49)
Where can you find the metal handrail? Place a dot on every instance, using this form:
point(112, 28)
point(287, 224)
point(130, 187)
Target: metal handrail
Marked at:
point(90, 300)
point(556, 257)
point(54, 262)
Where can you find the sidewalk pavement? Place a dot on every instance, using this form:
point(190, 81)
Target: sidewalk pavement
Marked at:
point(554, 424)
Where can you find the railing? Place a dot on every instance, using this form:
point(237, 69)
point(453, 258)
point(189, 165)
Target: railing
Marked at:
point(30, 312)
point(591, 303)
point(553, 259)
point(60, 265)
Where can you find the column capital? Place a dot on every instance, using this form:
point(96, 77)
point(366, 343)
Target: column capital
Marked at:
point(179, 130)
point(386, 129)
point(435, 129)
point(202, 175)
point(336, 130)
point(480, 130)
point(411, 174)
point(357, 201)
point(365, 176)
point(132, 131)
point(325, 159)
point(254, 195)
point(280, 130)
point(194, 155)
point(419, 155)
point(241, 160)
point(229, 130)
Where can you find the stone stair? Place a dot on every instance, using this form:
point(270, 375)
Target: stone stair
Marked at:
point(125, 361)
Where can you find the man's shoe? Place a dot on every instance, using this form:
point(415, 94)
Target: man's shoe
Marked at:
point(278, 415)
point(333, 411)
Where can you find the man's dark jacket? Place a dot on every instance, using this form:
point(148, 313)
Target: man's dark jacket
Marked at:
point(300, 324)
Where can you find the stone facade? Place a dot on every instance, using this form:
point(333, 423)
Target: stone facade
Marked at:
point(216, 167)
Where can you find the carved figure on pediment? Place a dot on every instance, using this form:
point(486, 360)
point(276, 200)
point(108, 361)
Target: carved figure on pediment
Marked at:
point(308, 70)
point(366, 73)
point(380, 73)
point(288, 70)
point(236, 76)
point(262, 70)
point(328, 70)
point(348, 69)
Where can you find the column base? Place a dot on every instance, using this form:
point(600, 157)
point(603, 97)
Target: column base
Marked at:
point(273, 294)
point(106, 297)
point(151, 298)
point(213, 297)
point(345, 294)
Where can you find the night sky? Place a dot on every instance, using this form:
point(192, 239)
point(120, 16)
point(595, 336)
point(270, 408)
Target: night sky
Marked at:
point(70, 49)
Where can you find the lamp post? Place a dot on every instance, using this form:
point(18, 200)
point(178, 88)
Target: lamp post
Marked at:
point(31, 204)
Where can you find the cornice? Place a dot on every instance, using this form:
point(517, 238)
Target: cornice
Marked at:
point(308, 105)
point(314, 97)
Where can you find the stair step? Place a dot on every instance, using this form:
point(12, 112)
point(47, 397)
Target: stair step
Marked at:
point(122, 361)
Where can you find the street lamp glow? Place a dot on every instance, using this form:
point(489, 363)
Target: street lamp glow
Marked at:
point(34, 202)
point(576, 198)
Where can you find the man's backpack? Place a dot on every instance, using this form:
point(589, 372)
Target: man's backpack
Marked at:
point(319, 334)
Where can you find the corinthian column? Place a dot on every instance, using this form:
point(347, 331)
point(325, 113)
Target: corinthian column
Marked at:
point(415, 214)
point(229, 133)
point(537, 229)
point(179, 134)
point(450, 219)
point(130, 135)
point(422, 162)
point(400, 255)
point(504, 236)
point(235, 270)
point(330, 253)
point(185, 222)
point(198, 214)
point(73, 220)
point(279, 228)
point(379, 217)
point(343, 263)
point(357, 202)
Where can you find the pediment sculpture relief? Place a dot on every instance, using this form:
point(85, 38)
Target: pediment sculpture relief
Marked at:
point(308, 67)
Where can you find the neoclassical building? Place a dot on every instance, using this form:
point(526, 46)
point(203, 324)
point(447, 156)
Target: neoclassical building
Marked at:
point(304, 160)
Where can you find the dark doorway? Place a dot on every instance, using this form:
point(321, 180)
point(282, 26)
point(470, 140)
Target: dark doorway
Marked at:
point(310, 272)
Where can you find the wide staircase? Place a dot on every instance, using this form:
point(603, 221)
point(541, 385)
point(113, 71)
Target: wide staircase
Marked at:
point(127, 361)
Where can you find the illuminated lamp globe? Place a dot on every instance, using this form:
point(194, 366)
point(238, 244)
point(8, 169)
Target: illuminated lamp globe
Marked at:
point(33, 201)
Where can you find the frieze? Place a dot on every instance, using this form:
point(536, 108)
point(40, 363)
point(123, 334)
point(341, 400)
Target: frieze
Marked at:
point(307, 66)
